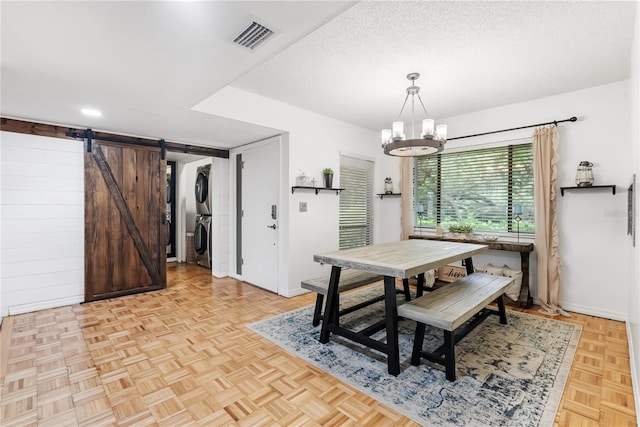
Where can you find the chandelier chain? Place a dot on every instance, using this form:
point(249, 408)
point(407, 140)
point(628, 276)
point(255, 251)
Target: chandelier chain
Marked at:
point(423, 107)
point(403, 105)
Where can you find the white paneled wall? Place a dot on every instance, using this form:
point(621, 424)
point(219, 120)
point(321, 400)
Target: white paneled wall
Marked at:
point(42, 222)
point(220, 217)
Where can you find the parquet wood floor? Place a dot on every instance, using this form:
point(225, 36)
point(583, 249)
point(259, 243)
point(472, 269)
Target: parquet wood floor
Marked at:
point(181, 356)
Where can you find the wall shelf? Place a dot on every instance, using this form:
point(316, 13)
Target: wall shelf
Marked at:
point(612, 187)
point(316, 189)
point(382, 195)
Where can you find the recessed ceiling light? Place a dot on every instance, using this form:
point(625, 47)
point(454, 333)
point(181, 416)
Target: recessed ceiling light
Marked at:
point(90, 112)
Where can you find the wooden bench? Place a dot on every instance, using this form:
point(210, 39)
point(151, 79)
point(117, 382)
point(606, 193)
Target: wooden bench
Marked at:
point(349, 279)
point(448, 308)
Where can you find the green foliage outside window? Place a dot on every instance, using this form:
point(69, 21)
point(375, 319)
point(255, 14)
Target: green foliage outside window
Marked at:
point(476, 188)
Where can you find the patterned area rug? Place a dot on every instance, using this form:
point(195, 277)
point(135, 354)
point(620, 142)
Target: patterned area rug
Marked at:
point(508, 375)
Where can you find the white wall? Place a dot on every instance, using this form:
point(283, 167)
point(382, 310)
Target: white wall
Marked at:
point(594, 246)
point(314, 143)
point(42, 223)
point(633, 298)
point(220, 217)
point(592, 224)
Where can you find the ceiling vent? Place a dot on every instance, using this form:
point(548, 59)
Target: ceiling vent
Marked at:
point(253, 35)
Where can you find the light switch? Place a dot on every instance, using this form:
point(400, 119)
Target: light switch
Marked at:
point(303, 206)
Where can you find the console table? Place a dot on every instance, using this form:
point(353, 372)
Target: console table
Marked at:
point(525, 300)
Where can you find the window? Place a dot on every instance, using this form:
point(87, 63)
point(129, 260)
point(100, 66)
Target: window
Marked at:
point(477, 188)
point(356, 224)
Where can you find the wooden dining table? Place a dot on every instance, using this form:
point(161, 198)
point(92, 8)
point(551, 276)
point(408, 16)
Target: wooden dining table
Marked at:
point(403, 259)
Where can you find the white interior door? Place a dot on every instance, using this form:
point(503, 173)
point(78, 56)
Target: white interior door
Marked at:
point(260, 213)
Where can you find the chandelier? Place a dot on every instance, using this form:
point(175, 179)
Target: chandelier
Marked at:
point(432, 138)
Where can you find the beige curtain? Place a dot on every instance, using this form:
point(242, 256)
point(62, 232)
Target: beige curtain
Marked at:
point(545, 171)
point(406, 200)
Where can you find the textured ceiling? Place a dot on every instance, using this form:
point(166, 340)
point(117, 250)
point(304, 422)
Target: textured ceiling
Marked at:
point(471, 56)
point(145, 64)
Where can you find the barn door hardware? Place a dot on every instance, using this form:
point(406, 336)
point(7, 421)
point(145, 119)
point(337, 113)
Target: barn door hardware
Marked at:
point(163, 149)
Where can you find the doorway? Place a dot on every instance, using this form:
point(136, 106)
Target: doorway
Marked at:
point(258, 214)
point(171, 210)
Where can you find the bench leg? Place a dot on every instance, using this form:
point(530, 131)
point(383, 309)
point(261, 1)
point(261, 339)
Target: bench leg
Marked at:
point(317, 312)
point(503, 313)
point(331, 306)
point(405, 286)
point(449, 356)
point(417, 343)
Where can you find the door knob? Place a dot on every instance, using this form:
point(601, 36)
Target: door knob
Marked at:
point(272, 226)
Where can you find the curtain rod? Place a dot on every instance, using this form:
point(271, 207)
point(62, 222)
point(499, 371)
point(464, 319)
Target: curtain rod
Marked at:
point(555, 123)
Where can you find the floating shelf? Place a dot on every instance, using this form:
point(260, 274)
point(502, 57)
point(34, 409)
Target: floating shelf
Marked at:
point(381, 195)
point(612, 187)
point(316, 189)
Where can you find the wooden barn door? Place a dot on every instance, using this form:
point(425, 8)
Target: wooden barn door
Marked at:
point(124, 220)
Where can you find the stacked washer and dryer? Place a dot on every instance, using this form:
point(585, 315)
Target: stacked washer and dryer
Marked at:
point(202, 233)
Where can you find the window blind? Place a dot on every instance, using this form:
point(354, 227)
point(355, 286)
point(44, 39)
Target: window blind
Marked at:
point(356, 222)
point(477, 188)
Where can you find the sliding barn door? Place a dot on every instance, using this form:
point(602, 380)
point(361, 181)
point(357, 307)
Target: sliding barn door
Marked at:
point(125, 230)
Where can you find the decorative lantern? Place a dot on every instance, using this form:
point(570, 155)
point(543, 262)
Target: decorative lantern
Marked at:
point(584, 175)
point(388, 185)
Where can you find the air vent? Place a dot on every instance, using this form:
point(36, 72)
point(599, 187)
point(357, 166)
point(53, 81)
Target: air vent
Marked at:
point(253, 35)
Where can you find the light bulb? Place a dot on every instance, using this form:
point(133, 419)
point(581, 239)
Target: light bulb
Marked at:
point(427, 128)
point(398, 130)
point(386, 136)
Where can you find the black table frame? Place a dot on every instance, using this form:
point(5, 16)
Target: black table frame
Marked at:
point(331, 323)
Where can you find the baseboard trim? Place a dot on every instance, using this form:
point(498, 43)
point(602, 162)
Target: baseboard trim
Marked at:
point(594, 311)
point(294, 292)
point(43, 305)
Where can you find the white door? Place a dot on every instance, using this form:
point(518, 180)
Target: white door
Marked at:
point(260, 213)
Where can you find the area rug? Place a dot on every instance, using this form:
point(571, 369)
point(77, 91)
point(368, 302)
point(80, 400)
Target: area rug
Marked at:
point(507, 375)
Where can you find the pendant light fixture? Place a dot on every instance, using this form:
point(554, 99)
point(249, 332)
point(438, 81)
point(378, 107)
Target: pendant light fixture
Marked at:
point(432, 138)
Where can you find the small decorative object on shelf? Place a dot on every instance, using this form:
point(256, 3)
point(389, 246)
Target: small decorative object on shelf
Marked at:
point(302, 180)
point(328, 177)
point(388, 185)
point(584, 175)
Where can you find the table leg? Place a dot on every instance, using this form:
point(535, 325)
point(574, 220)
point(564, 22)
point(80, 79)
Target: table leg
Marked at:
point(503, 313)
point(526, 299)
point(420, 285)
point(331, 309)
point(391, 318)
